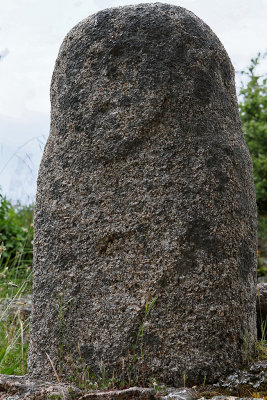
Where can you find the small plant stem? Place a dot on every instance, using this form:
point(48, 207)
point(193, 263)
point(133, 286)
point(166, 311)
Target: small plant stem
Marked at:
point(22, 340)
point(53, 367)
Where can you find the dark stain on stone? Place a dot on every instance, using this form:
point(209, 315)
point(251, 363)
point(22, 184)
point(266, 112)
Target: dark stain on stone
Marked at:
point(184, 267)
point(198, 35)
point(243, 205)
point(180, 53)
point(203, 86)
point(205, 83)
point(75, 290)
point(87, 352)
point(117, 50)
point(153, 341)
point(246, 258)
point(55, 189)
point(215, 163)
point(222, 179)
point(111, 238)
point(226, 73)
point(198, 232)
point(199, 237)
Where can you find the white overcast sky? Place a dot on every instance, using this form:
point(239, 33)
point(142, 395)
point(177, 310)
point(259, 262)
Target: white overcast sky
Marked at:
point(31, 32)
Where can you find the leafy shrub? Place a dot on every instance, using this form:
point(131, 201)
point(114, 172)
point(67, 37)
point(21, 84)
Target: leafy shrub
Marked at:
point(253, 113)
point(16, 232)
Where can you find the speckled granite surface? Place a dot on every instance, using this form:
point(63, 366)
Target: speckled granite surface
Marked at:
point(145, 191)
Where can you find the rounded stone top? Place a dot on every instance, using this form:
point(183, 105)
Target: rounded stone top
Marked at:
point(154, 21)
point(146, 33)
point(125, 68)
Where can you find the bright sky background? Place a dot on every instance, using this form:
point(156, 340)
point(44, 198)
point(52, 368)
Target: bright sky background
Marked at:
point(31, 32)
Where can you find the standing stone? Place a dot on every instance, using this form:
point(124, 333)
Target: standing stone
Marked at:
point(145, 200)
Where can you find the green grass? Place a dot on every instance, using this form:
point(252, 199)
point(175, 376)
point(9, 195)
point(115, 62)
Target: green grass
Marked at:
point(14, 326)
point(14, 338)
point(15, 281)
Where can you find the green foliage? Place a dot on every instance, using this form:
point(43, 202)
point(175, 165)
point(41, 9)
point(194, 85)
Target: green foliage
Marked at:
point(16, 232)
point(253, 113)
point(262, 228)
point(14, 328)
point(14, 342)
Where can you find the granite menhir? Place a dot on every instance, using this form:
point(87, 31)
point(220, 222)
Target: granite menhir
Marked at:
point(145, 195)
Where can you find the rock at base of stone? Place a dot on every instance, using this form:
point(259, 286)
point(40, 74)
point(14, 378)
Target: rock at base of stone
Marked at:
point(23, 388)
point(252, 379)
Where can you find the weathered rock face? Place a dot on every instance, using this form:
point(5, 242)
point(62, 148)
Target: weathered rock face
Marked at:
point(145, 192)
